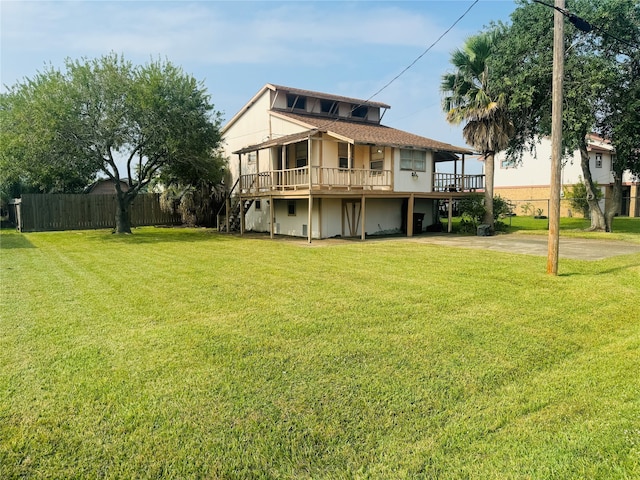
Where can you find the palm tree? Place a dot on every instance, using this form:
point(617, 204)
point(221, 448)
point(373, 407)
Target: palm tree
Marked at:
point(469, 98)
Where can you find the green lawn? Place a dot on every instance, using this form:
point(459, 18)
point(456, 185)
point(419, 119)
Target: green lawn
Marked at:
point(624, 228)
point(181, 353)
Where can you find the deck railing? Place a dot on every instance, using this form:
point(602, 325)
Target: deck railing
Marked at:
point(321, 177)
point(347, 178)
point(451, 182)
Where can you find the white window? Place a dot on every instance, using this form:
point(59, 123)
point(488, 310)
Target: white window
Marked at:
point(508, 163)
point(598, 160)
point(415, 160)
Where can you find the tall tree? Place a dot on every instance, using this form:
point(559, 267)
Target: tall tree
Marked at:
point(107, 115)
point(469, 97)
point(521, 66)
point(620, 119)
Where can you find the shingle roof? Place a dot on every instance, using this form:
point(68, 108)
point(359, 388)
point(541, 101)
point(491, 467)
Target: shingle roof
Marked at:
point(361, 132)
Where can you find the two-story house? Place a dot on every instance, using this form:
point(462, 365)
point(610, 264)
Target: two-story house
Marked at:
point(528, 181)
point(316, 165)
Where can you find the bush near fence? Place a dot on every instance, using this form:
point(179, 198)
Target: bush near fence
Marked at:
point(540, 206)
point(45, 212)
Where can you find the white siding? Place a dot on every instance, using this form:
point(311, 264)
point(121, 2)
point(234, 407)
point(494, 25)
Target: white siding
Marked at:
point(535, 170)
point(403, 181)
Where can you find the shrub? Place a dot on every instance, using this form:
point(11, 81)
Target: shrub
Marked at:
point(577, 196)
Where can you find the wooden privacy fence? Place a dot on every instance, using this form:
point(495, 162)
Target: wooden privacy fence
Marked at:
point(41, 212)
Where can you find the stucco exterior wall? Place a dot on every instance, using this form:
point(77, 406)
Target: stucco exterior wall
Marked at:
point(248, 129)
point(535, 169)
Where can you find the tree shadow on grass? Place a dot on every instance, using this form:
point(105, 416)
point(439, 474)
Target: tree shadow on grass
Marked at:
point(17, 240)
point(605, 271)
point(164, 235)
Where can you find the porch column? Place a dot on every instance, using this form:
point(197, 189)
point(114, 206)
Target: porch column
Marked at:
point(462, 185)
point(281, 182)
point(410, 216)
point(257, 172)
point(342, 210)
point(309, 166)
point(272, 213)
point(450, 215)
point(362, 216)
point(309, 219)
point(240, 194)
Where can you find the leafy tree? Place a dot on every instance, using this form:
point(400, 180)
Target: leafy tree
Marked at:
point(521, 67)
point(107, 115)
point(469, 97)
point(195, 191)
point(577, 197)
point(621, 109)
point(32, 157)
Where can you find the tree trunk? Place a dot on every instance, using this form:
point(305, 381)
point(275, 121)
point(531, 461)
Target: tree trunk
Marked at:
point(597, 217)
point(488, 189)
point(613, 207)
point(123, 212)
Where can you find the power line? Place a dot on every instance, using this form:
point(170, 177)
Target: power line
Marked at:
point(583, 25)
point(426, 51)
point(326, 125)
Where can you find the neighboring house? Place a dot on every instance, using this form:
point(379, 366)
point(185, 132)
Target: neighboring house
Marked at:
point(529, 181)
point(316, 165)
point(105, 186)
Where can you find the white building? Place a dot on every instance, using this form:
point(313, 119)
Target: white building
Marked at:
point(529, 181)
point(317, 165)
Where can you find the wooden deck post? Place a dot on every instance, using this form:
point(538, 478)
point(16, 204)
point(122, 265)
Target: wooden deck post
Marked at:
point(450, 214)
point(310, 218)
point(272, 213)
point(410, 216)
point(362, 215)
point(462, 185)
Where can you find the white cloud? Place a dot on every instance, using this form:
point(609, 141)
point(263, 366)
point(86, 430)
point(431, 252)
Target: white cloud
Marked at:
point(251, 32)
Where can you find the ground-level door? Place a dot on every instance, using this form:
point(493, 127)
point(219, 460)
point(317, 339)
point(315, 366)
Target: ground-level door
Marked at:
point(351, 217)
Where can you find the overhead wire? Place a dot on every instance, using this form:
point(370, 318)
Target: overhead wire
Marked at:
point(408, 66)
point(585, 26)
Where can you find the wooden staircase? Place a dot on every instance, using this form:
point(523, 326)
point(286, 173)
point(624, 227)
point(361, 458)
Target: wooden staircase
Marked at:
point(235, 217)
point(234, 213)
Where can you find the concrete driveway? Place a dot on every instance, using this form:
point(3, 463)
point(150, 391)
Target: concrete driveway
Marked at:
point(576, 248)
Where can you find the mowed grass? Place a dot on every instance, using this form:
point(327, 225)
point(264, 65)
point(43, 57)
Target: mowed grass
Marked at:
point(624, 228)
point(181, 353)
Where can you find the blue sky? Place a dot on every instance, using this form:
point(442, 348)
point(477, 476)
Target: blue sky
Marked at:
point(350, 48)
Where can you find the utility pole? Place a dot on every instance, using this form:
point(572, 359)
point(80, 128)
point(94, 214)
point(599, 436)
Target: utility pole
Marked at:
point(556, 138)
